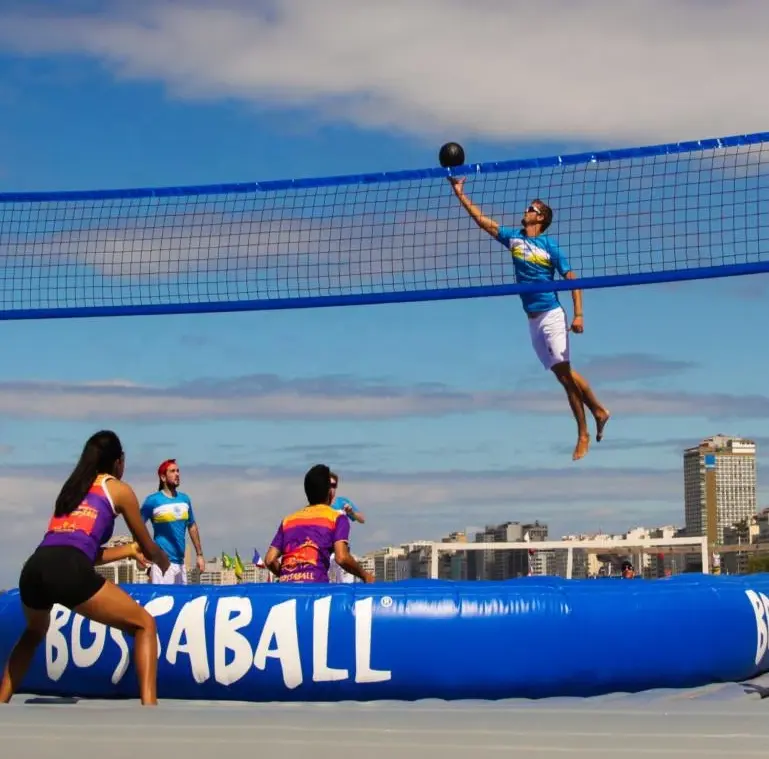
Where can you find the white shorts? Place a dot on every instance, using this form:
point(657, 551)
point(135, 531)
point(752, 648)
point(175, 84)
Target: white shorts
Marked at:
point(176, 575)
point(550, 337)
point(337, 574)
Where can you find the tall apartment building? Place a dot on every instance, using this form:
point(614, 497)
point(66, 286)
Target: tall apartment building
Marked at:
point(719, 485)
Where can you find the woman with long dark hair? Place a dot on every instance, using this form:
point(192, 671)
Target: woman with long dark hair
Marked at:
point(61, 570)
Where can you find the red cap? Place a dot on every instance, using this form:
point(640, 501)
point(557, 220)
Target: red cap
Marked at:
point(164, 466)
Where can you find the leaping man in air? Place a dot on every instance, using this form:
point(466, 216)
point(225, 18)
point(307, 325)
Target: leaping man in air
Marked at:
point(536, 257)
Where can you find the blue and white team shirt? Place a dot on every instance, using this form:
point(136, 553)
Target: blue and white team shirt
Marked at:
point(536, 259)
point(340, 503)
point(170, 517)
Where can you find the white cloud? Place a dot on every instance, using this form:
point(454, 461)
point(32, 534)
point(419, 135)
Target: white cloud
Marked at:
point(268, 397)
point(632, 71)
point(268, 249)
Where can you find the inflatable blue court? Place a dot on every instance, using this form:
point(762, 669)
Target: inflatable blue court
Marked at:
point(531, 638)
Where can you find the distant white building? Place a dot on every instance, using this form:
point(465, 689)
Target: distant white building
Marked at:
point(125, 571)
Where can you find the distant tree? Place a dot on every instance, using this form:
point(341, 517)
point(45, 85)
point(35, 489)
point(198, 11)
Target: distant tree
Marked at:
point(758, 563)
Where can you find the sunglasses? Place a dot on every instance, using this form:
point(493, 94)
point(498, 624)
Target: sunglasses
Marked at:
point(534, 209)
point(333, 485)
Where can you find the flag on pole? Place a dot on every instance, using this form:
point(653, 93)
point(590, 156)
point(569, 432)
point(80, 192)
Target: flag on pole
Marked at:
point(238, 566)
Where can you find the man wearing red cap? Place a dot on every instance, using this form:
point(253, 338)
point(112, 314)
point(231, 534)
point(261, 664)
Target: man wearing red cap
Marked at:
point(170, 512)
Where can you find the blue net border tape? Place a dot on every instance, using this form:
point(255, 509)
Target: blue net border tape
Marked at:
point(376, 298)
point(691, 146)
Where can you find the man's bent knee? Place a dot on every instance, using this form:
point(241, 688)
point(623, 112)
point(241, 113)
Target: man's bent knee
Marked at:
point(562, 371)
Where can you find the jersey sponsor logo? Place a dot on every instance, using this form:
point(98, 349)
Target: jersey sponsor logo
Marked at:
point(307, 554)
point(170, 512)
point(82, 519)
point(531, 254)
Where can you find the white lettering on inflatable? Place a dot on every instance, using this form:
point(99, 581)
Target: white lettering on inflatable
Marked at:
point(122, 665)
point(233, 634)
point(281, 625)
point(56, 653)
point(363, 619)
point(321, 672)
point(157, 607)
point(87, 656)
point(232, 614)
point(191, 625)
point(760, 604)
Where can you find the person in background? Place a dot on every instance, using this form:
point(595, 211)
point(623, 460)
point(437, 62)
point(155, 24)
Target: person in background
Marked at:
point(627, 570)
point(306, 539)
point(354, 514)
point(170, 512)
point(340, 503)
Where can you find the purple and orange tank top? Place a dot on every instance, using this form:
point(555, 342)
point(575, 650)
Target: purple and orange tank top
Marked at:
point(89, 526)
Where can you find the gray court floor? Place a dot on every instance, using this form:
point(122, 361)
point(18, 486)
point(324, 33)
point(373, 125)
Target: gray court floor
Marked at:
point(725, 720)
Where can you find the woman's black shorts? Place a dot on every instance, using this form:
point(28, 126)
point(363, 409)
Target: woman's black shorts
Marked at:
point(58, 575)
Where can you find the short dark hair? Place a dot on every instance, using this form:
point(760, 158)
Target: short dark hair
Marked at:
point(546, 211)
point(334, 477)
point(317, 484)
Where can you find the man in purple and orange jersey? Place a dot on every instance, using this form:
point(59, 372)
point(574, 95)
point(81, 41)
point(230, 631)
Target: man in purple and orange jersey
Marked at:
point(305, 541)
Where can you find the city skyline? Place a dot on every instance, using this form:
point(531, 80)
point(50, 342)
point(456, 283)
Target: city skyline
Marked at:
point(671, 528)
point(719, 484)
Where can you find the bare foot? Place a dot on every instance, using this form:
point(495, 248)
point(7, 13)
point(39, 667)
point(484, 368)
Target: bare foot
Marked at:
point(583, 443)
point(600, 422)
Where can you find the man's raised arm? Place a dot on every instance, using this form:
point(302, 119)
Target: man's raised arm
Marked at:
point(486, 223)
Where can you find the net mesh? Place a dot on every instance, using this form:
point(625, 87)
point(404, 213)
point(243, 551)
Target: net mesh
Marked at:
point(659, 213)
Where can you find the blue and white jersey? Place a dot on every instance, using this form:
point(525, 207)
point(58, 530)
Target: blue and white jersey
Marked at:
point(536, 259)
point(170, 517)
point(340, 503)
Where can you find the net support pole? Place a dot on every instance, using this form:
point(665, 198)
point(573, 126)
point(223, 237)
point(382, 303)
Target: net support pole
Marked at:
point(434, 562)
point(705, 555)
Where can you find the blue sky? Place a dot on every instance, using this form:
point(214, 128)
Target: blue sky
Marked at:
point(437, 415)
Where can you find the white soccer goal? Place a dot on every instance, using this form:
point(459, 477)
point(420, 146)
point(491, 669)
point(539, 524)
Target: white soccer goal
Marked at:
point(630, 547)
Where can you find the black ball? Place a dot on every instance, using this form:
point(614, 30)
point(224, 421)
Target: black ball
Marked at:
point(451, 154)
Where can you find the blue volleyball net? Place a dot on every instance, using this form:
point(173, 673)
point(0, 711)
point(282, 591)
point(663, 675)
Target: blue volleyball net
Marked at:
point(655, 214)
